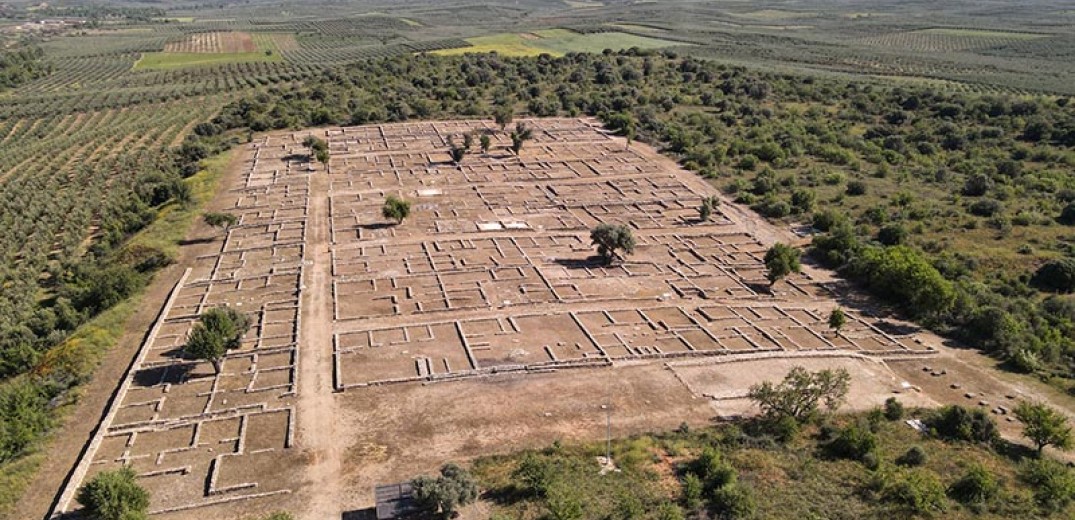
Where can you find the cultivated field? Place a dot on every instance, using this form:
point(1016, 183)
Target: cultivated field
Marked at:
point(482, 323)
point(556, 42)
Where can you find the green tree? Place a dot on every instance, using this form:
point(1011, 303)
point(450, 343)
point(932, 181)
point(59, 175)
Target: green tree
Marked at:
point(705, 211)
point(218, 330)
point(485, 142)
point(1044, 425)
point(960, 424)
point(893, 409)
point(114, 495)
point(316, 145)
point(455, 487)
point(610, 238)
point(457, 152)
point(503, 116)
point(395, 209)
point(220, 220)
point(837, 320)
point(780, 261)
point(1056, 275)
point(520, 135)
point(801, 393)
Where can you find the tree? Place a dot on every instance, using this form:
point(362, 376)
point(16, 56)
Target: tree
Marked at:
point(893, 409)
point(485, 143)
point(454, 487)
point(322, 156)
point(468, 141)
point(801, 392)
point(520, 135)
point(503, 116)
point(218, 330)
point(976, 487)
point(220, 220)
point(780, 261)
point(1044, 425)
point(1053, 483)
point(610, 238)
point(396, 209)
point(837, 320)
point(705, 211)
point(457, 152)
point(1056, 275)
point(316, 146)
point(114, 495)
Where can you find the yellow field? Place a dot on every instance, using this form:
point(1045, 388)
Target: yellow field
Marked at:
point(556, 42)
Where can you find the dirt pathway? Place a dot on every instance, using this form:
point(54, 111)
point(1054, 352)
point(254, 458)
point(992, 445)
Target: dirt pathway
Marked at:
point(320, 433)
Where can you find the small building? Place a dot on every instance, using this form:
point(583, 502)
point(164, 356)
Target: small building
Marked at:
point(395, 501)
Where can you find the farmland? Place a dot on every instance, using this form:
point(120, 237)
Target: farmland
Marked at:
point(939, 145)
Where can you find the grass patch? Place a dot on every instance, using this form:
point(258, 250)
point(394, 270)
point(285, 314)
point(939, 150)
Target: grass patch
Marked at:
point(556, 42)
point(83, 351)
point(177, 60)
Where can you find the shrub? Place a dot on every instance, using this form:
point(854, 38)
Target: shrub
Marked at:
point(114, 495)
point(827, 219)
point(919, 491)
point(453, 488)
point(1056, 275)
point(976, 487)
point(856, 188)
point(892, 235)
point(960, 424)
point(1053, 483)
point(914, 456)
point(986, 207)
point(1067, 215)
point(893, 409)
point(732, 502)
point(853, 442)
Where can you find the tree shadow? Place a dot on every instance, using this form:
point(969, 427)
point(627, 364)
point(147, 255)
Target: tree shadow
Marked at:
point(196, 241)
point(377, 226)
point(760, 288)
point(590, 262)
point(897, 329)
point(171, 374)
point(360, 514)
point(295, 157)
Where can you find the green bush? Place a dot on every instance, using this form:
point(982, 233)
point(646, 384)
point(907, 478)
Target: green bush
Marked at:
point(1053, 483)
point(114, 495)
point(853, 442)
point(893, 409)
point(914, 456)
point(960, 424)
point(919, 491)
point(975, 488)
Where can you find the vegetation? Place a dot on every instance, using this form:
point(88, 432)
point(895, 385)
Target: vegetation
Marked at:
point(729, 471)
point(1044, 426)
point(396, 209)
point(837, 320)
point(780, 261)
point(705, 211)
point(218, 330)
point(220, 220)
point(801, 393)
point(444, 494)
point(612, 241)
point(520, 135)
point(114, 495)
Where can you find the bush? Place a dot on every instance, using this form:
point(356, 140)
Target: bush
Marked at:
point(893, 409)
point(960, 424)
point(892, 235)
point(1056, 275)
point(732, 502)
point(856, 188)
point(1053, 483)
point(853, 442)
point(976, 487)
point(827, 219)
point(1067, 215)
point(453, 488)
point(914, 456)
point(986, 207)
point(919, 491)
point(114, 495)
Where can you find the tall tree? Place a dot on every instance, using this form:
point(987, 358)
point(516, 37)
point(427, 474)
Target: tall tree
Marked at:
point(503, 116)
point(220, 220)
point(520, 135)
point(610, 238)
point(395, 209)
point(780, 261)
point(485, 142)
point(837, 320)
point(1044, 425)
point(218, 330)
point(801, 393)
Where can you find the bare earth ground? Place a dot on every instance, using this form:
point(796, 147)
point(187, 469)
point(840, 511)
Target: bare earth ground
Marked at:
point(482, 324)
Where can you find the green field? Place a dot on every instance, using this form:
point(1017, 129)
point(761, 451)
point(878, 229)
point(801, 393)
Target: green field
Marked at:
point(556, 42)
point(178, 60)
